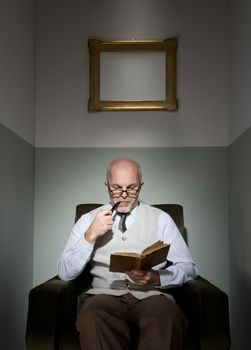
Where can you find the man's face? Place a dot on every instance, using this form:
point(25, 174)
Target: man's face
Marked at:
point(124, 186)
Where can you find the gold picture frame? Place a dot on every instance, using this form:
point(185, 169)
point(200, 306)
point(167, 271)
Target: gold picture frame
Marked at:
point(166, 46)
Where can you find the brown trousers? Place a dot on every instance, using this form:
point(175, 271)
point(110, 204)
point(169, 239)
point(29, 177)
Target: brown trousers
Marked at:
point(108, 322)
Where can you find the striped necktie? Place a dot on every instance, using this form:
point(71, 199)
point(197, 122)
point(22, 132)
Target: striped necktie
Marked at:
point(122, 225)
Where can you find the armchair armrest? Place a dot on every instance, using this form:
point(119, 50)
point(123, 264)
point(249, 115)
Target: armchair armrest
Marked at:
point(206, 308)
point(52, 313)
point(45, 313)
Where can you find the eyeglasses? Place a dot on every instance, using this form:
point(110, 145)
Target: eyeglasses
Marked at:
point(118, 192)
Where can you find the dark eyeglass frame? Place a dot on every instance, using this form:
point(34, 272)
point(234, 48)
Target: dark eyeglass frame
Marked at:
point(120, 191)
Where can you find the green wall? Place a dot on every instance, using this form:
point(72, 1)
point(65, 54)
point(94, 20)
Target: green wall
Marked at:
point(197, 178)
point(240, 240)
point(16, 236)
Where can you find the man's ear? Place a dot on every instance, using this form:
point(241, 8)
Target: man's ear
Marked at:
point(107, 187)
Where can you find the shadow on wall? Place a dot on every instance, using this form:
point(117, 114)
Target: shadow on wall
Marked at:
point(12, 331)
point(240, 303)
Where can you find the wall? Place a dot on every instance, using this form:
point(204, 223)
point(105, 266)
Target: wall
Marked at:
point(16, 168)
point(16, 236)
point(17, 67)
point(240, 54)
point(63, 27)
point(183, 154)
point(240, 240)
point(240, 174)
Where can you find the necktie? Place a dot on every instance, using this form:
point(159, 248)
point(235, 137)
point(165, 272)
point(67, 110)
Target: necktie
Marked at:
point(122, 225)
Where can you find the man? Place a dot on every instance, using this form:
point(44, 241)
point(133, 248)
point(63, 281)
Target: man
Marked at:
point(121, 302)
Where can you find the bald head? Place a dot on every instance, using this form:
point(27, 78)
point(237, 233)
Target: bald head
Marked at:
point(125, 164)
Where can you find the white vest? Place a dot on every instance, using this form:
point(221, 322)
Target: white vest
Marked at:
point(142, 233)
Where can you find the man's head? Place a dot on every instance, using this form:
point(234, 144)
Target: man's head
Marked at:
point(124, 181)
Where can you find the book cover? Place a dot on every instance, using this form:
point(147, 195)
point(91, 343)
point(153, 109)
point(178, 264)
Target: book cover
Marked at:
point(151, 256)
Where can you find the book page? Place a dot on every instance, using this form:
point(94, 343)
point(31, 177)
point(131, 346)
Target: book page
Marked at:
point(155, 246)
point(136, 255)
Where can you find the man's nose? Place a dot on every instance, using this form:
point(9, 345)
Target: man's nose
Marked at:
point(124, 194)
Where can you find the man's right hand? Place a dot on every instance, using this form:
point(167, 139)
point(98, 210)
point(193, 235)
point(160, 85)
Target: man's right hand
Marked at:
point(101, 224)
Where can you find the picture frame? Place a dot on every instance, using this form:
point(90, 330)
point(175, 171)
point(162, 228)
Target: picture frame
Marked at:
point(97, 50)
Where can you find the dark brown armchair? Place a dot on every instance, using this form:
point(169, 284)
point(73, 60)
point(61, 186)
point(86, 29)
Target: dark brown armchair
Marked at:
point(53, 306)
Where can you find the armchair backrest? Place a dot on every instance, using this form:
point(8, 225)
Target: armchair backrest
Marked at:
point(174, 210)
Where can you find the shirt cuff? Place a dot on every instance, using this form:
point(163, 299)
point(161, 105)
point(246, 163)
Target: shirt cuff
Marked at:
point(163, 275)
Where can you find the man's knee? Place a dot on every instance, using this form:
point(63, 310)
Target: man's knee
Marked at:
point(94, 304)
point(161, 310)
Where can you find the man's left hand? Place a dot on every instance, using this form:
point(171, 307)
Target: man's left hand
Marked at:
point(145, 277)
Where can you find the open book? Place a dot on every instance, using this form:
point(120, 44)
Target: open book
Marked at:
point(153, 255)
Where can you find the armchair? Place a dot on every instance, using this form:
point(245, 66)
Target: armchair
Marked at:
point(53, 306)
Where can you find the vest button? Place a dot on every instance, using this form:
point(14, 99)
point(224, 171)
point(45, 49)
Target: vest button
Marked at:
point(124, 238)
